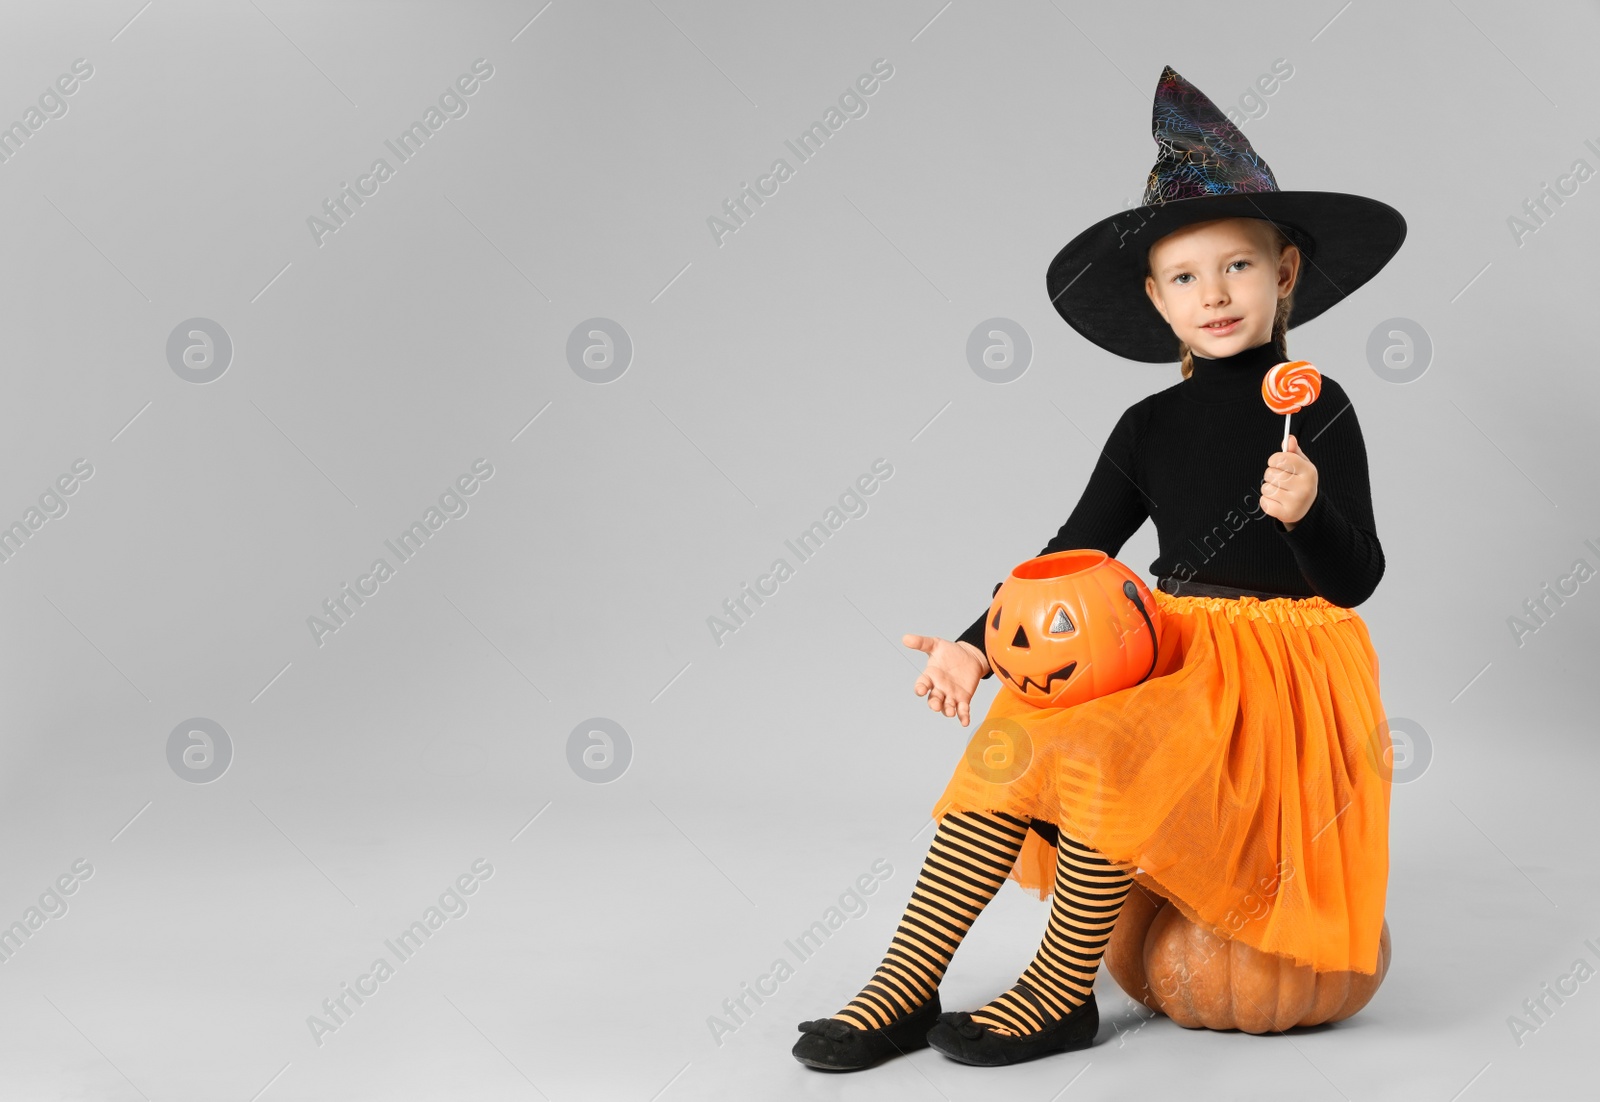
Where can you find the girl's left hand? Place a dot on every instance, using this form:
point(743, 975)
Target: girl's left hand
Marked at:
point(1289, 486)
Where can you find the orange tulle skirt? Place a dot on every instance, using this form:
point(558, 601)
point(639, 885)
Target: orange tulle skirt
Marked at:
point(1247, 779)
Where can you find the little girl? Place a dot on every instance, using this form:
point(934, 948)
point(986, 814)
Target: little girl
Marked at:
point(1253, 763)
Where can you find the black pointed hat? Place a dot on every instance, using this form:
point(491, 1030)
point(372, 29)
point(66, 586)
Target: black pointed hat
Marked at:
point(1205, 168)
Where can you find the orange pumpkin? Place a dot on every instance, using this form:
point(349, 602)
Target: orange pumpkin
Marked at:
point(1071, 626)
point(1202, 981)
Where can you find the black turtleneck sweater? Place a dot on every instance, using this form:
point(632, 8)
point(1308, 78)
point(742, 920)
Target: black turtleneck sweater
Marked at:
point(1191, 458)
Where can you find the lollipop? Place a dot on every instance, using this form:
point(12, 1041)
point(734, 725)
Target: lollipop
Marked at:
point(1289, 388)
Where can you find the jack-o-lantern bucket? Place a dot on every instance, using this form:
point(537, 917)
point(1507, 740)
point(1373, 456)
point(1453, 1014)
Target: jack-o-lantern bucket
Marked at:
point(1071, 626)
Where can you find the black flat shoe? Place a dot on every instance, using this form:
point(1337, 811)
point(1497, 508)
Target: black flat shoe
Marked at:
point(969, 1042)
point(832, 1045)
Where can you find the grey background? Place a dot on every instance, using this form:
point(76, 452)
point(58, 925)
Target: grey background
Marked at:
point(767, 773)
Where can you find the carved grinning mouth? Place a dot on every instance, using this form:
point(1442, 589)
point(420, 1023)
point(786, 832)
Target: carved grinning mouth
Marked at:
point(1062, 674)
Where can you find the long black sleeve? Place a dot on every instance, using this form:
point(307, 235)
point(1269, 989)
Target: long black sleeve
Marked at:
point(1111, 508)
point(1336, 543)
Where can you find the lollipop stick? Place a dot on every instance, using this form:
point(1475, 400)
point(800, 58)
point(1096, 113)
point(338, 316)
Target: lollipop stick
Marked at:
point(1285, 445)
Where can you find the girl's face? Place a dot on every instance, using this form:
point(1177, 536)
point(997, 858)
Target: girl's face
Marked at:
point(1218, 283)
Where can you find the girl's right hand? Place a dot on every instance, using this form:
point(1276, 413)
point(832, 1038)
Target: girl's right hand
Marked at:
point(951, 676)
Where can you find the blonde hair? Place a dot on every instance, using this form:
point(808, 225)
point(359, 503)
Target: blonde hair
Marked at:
point(1280, 319)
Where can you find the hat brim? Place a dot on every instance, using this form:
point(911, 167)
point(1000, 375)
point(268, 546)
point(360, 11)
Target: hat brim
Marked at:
point(1096, 281)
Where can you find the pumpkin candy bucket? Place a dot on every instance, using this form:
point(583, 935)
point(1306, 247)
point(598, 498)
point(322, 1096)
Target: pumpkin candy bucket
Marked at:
point(1071, 626)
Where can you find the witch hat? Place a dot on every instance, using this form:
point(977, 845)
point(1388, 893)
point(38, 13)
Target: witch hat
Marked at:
point(1206, 169)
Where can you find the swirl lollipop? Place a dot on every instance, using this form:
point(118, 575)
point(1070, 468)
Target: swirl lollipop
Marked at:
point(1288, 388)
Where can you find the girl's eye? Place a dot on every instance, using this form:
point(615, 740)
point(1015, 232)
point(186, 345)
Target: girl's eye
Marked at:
point(1182, 277)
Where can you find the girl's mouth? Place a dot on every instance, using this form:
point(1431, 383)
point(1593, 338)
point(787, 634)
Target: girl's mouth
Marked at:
point(1224, 326)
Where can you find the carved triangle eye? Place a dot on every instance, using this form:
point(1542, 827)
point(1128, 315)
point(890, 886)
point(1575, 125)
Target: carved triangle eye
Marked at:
point(1020, 639)
point(1061, 623)
point(996, 622)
